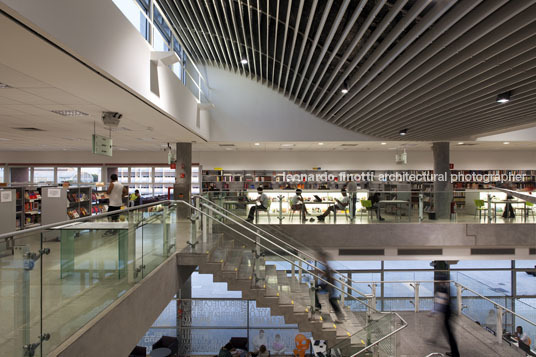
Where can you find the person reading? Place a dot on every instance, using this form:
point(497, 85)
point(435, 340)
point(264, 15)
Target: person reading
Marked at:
point(339, 205)
point(297, 204)
point(261, 203)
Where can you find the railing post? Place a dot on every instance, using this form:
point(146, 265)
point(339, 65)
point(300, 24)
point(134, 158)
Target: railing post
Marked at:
point(421, 207)
point(489, 208)
point(373, 293)
point(197, 221)
point(205, 228)
point(498, 328)
point(280, 216)
point(417, 301)
point(459, 301)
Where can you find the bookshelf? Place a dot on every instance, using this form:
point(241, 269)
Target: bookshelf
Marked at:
point(99, 201)
point(31, 205)
point(79, 201)
point(241, 180)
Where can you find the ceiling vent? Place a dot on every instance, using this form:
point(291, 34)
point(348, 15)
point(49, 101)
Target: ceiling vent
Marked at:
point(227, 145)
point(3, 85)
point(348, 144)
point(28, 129)
point(70, 113)
point(466, 144)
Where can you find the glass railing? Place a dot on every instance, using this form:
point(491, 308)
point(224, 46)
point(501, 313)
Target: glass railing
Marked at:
point(492, 310)
point(58, 277)
point(378, 337)
point(467, 206)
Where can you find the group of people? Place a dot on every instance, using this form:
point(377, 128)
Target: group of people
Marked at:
point(259, 343)
point(297, 203)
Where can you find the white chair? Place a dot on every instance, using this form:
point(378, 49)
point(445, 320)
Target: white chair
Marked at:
point(267, 212)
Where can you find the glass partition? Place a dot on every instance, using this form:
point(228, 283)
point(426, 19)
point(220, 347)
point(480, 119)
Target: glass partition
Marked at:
point(56, 280)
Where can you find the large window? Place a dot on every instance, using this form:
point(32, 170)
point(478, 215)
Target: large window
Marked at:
point(2, 175)
point(90, 175)
point(164, 175)
point(43, 175)
point(136, 17)
point(122, 174)
point(141, 174)
point(67, 174)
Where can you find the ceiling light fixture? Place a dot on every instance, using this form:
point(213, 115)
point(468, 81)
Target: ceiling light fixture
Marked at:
point(244, 61)
point(3, 85)
point(70, 113)
point(287, 145)
point(257, 144)
point(506, 143)
point(344, 88)
point(460, 143)
point(403, 132)
point(384, 143)
point(504, 97)
point(320, 143)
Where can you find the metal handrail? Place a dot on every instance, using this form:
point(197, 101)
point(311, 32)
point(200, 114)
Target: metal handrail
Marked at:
point(278, 239)
point(405, 324)
point(456, 283)
point(81, 219)
point(285, 250)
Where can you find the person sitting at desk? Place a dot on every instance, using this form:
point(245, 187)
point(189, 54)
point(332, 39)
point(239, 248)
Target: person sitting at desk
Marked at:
point(520, 336)
point(297, 204)
point(508, 209)
point(375, 200)
point(339, 205)
point(263, 203)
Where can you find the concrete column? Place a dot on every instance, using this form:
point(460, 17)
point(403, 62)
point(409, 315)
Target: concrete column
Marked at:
point(442, 185)
point(183, 177)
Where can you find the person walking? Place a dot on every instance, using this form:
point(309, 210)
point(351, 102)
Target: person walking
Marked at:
point(442, 298)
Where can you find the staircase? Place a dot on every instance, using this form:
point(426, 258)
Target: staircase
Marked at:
point(243, 269)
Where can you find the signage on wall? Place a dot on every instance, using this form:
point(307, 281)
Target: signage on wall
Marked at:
point(102, 145)
point(6, 196)
point(54, 192)
point(451, 166)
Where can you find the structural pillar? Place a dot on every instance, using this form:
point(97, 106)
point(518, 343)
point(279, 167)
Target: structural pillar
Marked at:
point(183, 178)
point(442, 184)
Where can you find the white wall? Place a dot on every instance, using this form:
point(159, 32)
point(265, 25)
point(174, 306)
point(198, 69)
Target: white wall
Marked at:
point(374, 160)
point(97, 33)
point(288, 160)
point(82, 158)
point(246, 110)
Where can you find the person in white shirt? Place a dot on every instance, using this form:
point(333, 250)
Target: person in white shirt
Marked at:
point(521, 336)
point(115, 191)
point(339, 205)
point(261, 203)
point(351, 187)
point(297, 204)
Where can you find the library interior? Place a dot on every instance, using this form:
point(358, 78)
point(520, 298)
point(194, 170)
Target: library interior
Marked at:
point(242, 178)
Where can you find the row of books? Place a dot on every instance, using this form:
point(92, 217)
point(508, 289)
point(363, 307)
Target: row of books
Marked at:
point(95, 209)
point(32, 195)
point(31, 206)
point(99, 195)
point(77, 212)
point(77, 197)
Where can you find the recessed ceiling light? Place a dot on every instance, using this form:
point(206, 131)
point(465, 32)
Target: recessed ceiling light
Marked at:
point(287, 145)
point(403, 132)
point(506, 143)
point(320, 143)
point(344, 91)
point(257, 144)
point(460, 143)
point(70, 113)
point(226, 145)
point(344, 88)
point(504, 97)
point(384, 143)
point(244, 61)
